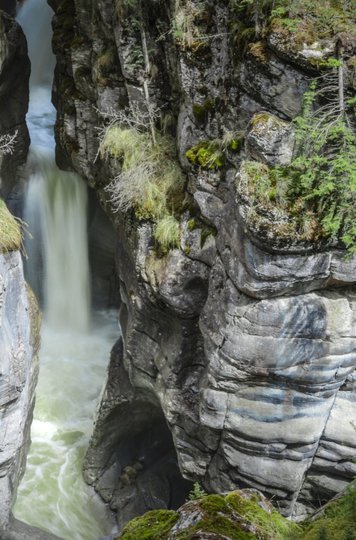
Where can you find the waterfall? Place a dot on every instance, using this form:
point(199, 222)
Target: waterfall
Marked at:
point(55, 211)
point(73, 356)
point(56, 202)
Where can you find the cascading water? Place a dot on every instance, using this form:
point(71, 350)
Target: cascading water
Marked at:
point(52, 494)
point(55, 210)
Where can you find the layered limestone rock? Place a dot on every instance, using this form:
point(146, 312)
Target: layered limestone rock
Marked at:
point(14, 77)
point(19, 343)
point(238, 353)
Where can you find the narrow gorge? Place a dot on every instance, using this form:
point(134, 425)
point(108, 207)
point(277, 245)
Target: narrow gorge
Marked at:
point(190, 229)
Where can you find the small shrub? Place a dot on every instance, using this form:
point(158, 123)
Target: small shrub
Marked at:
point(197, 492)
point(317, 191)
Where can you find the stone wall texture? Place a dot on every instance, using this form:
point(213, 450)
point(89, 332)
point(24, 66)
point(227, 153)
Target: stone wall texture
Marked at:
point(238, 352)
point(19, 343)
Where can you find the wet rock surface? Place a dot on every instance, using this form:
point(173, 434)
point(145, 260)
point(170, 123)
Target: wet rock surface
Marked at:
point(242, 343)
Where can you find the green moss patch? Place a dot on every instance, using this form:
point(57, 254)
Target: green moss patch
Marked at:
point(338, 521)
point(207, 155)
point(154, 525)
point(244, 515)
point(240, 515)
point(10, 231)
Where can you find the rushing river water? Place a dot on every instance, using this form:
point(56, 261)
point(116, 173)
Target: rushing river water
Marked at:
point(75, 343)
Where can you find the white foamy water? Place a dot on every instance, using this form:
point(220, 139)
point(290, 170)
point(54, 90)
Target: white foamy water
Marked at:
point(56, 213)
point(53, 494)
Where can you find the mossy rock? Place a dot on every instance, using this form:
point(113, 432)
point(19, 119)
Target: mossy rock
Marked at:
point(239, 515)
point(10, 231)
point(154, 525)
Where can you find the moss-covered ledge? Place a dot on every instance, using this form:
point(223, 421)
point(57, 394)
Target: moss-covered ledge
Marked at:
point(239, 515)
point(10, 231)
point(244, 515)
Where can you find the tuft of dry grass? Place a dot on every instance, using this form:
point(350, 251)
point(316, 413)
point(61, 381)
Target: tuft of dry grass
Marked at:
point(151, 181)
point(10, 230)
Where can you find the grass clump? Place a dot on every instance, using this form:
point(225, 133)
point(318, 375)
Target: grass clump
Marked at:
point(167, 232)
point(150, 182)
point(10, 231)
point(154, 525)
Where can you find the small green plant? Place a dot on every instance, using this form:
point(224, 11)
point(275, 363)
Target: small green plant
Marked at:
point(323, 534)
point(197, 492)
point(318, 189)
point(212, 154)
point(305, 21)
point(167, 233)
point(207, 154)
point(309, 21)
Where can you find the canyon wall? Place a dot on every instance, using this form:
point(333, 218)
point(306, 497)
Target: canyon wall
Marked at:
point(19, 344)
point(239, 346)
point(14, 93)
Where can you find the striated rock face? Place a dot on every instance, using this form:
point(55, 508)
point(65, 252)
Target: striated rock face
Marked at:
point(238, 352)
point(14, 77)
point(19, 343)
